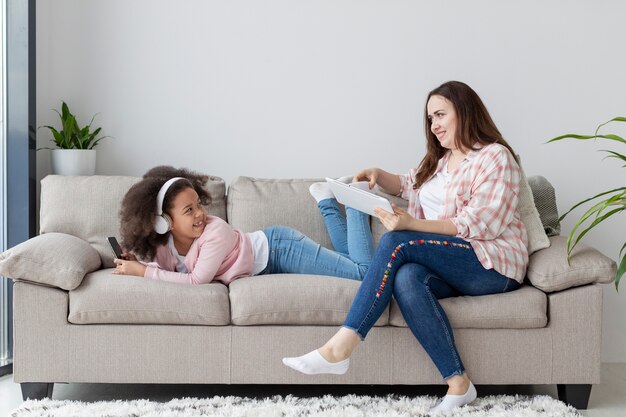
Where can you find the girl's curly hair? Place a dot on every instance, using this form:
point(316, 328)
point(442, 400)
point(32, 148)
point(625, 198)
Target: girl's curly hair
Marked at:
point(138, 210)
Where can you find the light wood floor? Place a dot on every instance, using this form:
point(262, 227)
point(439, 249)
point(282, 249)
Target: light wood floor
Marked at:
point(608, 399)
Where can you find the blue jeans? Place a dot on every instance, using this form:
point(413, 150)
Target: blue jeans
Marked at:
point(290, 251)
point(418, 269)
point(350, 234)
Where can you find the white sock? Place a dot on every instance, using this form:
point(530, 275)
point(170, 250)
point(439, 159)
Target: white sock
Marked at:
point(313, 363)
point(451, 402)
point(347, 179)
point(321, 191)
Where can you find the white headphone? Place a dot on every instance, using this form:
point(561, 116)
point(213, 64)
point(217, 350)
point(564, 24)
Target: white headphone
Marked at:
point(162, 220)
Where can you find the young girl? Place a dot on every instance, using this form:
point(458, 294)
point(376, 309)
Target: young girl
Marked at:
point(462, 235)
point(164, 223)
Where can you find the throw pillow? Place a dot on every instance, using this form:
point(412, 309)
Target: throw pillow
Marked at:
point(54, 259)
point(545, 201)
point(549, 269)
point(537, 238)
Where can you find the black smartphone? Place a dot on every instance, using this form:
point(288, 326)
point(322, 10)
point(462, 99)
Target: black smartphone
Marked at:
point(115, 247)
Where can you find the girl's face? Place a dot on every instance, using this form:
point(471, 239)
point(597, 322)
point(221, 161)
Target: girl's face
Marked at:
point(443, 120)
point(188, 216)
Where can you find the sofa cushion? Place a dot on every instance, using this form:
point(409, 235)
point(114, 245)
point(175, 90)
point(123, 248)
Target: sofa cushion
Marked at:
point(524, 308)
point(254, 204)
point(549, 269)
point(537, 238)
point(70, 205)
point(545, 201)
point(107, 298)
point(293, 299)
point(55, 259)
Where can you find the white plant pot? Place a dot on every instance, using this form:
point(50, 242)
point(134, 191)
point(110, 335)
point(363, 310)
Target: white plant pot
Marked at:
point(74, 161)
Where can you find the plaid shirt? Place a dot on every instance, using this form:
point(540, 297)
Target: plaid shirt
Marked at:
point(482, 202)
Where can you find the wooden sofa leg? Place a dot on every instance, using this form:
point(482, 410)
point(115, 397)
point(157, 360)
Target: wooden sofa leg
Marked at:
point(36, 391)
point(576, 395)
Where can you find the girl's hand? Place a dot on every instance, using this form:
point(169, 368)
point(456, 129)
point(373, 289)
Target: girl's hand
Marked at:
point(398, 220)
point(124, 267)
point(127, 256)
point(370, 175)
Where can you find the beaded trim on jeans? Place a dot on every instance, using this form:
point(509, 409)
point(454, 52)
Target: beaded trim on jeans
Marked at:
point(412, 243)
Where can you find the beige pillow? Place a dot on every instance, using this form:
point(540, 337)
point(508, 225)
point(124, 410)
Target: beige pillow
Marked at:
point(550, 271)
point(54, 259)
point(545, 201)
point(537, 238)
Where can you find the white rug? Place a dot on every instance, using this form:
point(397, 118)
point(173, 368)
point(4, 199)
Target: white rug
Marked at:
point(277, 406)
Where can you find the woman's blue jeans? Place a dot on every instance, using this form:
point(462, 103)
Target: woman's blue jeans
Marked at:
point(290, 251)
point(417, 269)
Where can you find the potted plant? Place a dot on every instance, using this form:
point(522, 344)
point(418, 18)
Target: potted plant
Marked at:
point(613, 202)
point(75, 153)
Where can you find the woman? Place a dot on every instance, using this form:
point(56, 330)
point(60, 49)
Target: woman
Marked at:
point(462, 235)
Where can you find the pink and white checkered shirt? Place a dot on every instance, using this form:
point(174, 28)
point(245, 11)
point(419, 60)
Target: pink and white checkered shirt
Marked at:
point(482, 202)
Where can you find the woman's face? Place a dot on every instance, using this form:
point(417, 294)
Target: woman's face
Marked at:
point(188, 215)
point(443, 120)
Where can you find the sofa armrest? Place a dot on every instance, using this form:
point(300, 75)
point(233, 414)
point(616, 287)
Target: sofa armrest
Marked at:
point(549, 269)
point(54, 259)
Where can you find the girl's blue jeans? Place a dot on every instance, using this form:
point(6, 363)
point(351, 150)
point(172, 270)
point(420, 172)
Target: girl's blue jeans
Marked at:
point(418, 269)
point(290, 251)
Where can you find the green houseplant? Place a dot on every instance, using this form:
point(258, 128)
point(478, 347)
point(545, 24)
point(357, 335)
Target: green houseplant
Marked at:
point(75, 153)
point(613, 202)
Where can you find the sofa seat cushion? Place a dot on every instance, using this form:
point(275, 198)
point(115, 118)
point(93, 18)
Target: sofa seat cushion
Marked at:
point(293, 299)
point(106, 298)
point(524, 308)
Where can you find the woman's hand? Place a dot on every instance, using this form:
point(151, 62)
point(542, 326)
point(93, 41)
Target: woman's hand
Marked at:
point(398, 220)
point(370, 175)
point(124, 267)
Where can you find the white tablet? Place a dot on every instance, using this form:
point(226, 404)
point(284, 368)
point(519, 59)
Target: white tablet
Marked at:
point(358, 196)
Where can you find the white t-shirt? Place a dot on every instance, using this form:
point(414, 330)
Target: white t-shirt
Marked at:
point(180, 259)
point(433, 193)
point(260, 251)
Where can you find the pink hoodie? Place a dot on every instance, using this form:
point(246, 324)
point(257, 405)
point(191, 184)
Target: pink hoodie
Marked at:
point(221, 253)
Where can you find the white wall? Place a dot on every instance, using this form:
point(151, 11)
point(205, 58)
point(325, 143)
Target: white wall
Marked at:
point(286, 88)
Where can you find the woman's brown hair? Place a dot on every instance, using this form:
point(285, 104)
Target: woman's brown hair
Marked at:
point(138, 210)
point(474, 125)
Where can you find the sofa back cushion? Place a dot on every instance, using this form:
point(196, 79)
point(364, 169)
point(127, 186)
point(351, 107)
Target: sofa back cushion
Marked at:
point(254, 204)
point(88, 207)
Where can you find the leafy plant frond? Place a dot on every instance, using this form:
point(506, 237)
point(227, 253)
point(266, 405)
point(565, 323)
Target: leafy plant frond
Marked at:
point(589, 199)
point(71, 135)
point(587, 137)
point(615, 119)
point(614, 201)
point(596, 209)
point(598, 220)
point(621, 270)
point(614, 154)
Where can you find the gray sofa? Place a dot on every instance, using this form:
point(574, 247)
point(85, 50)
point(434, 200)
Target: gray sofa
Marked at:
point(76, 322)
